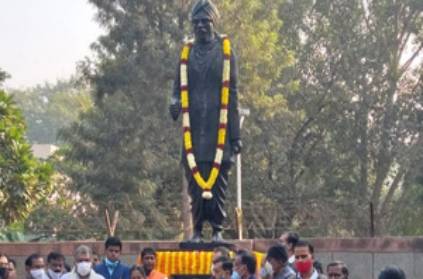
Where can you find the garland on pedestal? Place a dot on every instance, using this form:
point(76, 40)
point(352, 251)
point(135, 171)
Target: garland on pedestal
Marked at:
point(208, 184)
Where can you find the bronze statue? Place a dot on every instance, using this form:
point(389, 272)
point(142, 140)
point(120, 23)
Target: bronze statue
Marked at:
point(205, 91)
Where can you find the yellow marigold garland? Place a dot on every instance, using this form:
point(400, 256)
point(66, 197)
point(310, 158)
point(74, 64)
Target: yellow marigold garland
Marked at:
point(223, 119)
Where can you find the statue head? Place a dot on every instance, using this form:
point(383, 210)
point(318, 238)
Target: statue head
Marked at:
point(204, 16)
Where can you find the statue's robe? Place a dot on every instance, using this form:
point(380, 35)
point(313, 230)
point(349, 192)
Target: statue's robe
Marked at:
point(205, 67)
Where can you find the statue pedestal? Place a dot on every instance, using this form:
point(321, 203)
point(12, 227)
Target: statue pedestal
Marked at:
point(204, 246)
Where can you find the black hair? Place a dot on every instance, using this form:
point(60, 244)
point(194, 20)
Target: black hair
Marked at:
point(303, 243)
point(113, 241)
point(292, 238)
point(228, 266)
point(148, 251)
point(54, 256)
point(31, 258)
point(221, 259)
point(318, 267)
point(138, 268)
point(278, 252)
point(392, 272)
point(241, 252)
point(342, 265)
point(250, 262)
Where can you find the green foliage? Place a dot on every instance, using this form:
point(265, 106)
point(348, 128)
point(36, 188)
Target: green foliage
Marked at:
point(360, 89)
point(23, 180)
point(3, 76)
point(49, 108)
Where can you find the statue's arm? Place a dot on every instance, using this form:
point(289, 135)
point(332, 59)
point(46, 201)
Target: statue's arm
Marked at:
point(175, 101)
point(235, 134)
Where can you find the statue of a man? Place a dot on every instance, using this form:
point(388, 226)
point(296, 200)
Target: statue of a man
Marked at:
point(205, 91)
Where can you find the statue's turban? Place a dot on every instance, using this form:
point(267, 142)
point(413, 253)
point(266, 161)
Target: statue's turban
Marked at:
point(207, 7)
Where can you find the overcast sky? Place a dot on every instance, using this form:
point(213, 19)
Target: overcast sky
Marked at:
point(41, 40)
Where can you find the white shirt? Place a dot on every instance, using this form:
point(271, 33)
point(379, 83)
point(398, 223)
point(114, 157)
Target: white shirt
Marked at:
point(74, 275)
point(315, 275)
point(291, 259)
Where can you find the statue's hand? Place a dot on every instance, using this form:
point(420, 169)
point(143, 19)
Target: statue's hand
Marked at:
point(175, 110)
point(236, 146)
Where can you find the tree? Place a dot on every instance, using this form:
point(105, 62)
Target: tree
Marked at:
point(23, 180)
point(50, 107)
point(361, 81)
point(3, 76)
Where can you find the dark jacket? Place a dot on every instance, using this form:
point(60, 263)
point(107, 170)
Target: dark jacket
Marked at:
point(120, 272)
point(204, 85)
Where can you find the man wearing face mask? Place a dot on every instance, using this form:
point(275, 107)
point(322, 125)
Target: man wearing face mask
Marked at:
point(205, 91)
point(304, 258)
point(83, 265)
point(55, 265)
point(111, 267)
point(34, 267)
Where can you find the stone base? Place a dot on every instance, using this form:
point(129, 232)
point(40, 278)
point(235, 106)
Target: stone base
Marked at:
point(205, 246)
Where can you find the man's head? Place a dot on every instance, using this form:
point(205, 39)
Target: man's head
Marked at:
point(217, 267)
point(204, 16)
point(392, 272)
point(228, 267)
point(56, 263)
point(113, 247)
point(148, 257)
point(4, 262)
point(277, 257)
point(304, 257)
point(245, 265)
point(83, 261)
point(137, 272)
point(220, 251)
point(337, 270)
point(34, 266)
point(289, 240)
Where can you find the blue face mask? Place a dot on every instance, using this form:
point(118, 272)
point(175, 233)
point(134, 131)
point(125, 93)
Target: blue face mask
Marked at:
point(111, 264)
point(235, 275)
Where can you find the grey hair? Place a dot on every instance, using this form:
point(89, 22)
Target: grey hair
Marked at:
point(82, 250)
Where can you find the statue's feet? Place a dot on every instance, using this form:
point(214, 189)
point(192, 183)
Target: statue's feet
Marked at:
point(217, 237)
point(196, 238)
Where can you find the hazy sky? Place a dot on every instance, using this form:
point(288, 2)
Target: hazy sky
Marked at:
point(41, 40)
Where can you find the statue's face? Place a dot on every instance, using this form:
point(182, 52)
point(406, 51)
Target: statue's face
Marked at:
point(203, 27)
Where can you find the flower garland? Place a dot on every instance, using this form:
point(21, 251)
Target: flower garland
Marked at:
point(223, 119)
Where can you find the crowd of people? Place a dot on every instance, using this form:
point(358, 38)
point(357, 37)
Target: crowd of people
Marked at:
point(292, 258)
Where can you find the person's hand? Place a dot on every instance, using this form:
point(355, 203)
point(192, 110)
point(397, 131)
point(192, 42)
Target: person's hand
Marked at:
point(175, 110)
point(236, 146)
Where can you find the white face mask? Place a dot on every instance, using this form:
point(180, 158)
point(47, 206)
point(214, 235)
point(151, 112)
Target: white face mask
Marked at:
point(266, 270)
point(83, 268)
point(38, 273)
point(54, 275)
